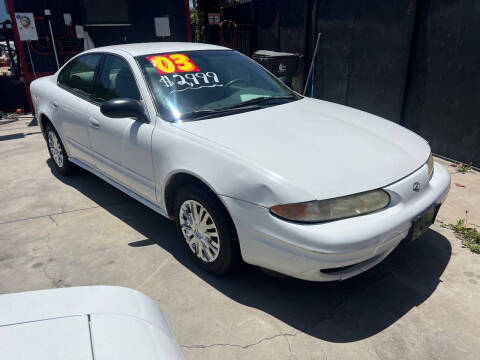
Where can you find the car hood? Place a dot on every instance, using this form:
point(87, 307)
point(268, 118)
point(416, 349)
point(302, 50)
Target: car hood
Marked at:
point(325, 149)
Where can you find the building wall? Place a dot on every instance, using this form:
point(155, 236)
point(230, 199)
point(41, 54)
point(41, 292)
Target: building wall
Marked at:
point(141, 30)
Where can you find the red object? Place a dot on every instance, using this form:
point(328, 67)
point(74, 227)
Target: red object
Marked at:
point(27, 75)
point(228, 25)
point(187, 20)
point(172, 63)
point(38, 52)
point(19, 111)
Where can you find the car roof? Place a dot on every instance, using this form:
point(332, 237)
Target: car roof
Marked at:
point(139, 49)
point(84, 323)
point(56, 303)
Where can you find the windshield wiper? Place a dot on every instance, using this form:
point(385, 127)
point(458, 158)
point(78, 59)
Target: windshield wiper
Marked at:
point(244, 106)
point(200, 114)
point(261, 99)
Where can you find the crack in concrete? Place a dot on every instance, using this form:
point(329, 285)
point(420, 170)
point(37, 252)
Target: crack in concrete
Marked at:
point(323, 350)
point(340, 302)
point(57, 283)
point(330, 315)
point(199, 346)
point(53, 220)
point(48, 276)
point(48, 215)
point(165, 262)
point(289, 347)
point(50, 259)
point(63, 212)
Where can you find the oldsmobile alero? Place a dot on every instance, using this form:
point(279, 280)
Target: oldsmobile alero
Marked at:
point(247, 168)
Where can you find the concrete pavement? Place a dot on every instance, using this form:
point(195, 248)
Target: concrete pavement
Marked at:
point(422, 302)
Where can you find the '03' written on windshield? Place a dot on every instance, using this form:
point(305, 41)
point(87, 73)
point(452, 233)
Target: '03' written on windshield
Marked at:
point(172, 63)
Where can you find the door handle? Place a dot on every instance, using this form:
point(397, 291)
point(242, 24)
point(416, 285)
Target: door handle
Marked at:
point(94, 123)
point(55, 104)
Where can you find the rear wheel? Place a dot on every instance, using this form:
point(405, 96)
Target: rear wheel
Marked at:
point(57, 152)
point(207, 230)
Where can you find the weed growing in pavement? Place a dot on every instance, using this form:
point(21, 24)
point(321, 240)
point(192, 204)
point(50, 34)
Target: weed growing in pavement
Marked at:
point(470, 236)
point(464, 168)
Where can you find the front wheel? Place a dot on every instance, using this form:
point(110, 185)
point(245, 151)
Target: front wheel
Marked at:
point(207, 230)
point(57, 152)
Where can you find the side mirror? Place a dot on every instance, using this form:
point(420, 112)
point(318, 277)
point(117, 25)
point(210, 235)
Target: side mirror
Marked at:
point(124, 107)
point(286, 80)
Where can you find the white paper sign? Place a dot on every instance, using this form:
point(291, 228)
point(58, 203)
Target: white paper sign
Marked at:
point(68, 19)
point(162, 26)
point(26, 26)
point(79, 31)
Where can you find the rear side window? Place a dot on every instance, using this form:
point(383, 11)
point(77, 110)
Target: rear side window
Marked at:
point(78, 74)
point(63, 76)
point(116, 80)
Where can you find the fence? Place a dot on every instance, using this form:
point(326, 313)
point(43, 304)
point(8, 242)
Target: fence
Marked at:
point(234, 36)
point(415, 62)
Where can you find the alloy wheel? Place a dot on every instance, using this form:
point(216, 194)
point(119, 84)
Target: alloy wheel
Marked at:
point(55, 148)
point(199, 230)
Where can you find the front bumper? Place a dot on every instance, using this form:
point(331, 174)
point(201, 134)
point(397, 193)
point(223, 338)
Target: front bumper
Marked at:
point(340, 249)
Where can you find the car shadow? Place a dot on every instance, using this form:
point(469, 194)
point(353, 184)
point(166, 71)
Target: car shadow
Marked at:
point(340, 312)
point(17, 135)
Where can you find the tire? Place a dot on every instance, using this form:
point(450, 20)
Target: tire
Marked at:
point(208, 229)
point(57, 152)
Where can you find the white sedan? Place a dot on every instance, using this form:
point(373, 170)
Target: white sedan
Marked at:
point(246, 167)
point(84, 323)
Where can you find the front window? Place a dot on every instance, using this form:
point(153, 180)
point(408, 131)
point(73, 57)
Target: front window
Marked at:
point(192, 85)
point(116, 80)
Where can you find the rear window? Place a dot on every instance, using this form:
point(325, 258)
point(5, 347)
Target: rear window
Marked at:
point(78, 74)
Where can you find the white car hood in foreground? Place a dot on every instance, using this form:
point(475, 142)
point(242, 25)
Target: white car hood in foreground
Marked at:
point(325, 149)
point(84, 323)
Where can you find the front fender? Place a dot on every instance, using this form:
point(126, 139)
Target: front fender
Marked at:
point(175, 150)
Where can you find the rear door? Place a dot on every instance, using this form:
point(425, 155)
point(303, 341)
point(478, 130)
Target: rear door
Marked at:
point(72, 102)
point(122, 146)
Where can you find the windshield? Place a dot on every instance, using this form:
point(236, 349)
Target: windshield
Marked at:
point(198, 84)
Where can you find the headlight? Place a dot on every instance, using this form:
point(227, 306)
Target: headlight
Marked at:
point(333, 209)
point(430, 165)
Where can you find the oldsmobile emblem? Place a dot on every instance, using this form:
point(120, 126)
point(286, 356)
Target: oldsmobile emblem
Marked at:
point(416, 186)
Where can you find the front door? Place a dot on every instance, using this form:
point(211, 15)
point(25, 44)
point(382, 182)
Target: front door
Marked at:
point(122, 146)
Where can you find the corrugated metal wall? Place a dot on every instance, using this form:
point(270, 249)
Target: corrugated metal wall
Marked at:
point(443, 84)
point(415, 62)
point(364, 54)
